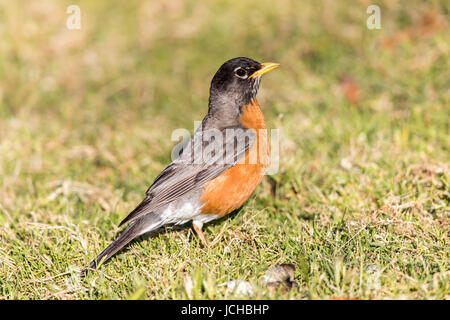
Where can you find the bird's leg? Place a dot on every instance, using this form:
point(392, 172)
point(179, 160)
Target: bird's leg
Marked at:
point(197, 225)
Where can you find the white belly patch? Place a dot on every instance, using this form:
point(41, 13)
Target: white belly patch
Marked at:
point(183, 211)
point(180, 212)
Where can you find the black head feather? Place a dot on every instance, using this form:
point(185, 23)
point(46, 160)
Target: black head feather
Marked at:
point(231, 83)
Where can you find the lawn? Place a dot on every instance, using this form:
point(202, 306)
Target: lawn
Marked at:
point(360, 204)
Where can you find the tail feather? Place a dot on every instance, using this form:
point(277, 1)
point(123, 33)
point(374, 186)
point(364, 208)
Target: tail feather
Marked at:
point(135, 229)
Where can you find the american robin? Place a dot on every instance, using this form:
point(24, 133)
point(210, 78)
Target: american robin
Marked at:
point(212, 176)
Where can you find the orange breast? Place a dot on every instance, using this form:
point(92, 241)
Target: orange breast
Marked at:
point(234, 186)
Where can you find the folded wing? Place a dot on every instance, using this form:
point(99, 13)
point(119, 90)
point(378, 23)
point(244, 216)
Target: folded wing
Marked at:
point(208, 154)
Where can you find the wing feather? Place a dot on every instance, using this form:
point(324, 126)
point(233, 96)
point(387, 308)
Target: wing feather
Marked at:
point(186, 174)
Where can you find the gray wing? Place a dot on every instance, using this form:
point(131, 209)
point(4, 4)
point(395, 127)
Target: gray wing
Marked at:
point(208, 154)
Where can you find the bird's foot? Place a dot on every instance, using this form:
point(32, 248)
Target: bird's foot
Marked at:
point(198, 229)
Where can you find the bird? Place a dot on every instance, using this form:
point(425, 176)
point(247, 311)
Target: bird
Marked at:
point(217, 170)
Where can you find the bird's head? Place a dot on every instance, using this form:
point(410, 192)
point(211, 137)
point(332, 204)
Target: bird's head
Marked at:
point(237, 82)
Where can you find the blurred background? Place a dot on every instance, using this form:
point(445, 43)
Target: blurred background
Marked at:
point(86, 115)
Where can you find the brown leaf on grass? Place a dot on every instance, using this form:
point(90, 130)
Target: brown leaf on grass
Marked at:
point(279, 276)
point(279, 272)
point(429, 23)
point(350, 89)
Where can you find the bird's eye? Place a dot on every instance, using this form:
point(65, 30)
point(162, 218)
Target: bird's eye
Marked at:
point(241, 73)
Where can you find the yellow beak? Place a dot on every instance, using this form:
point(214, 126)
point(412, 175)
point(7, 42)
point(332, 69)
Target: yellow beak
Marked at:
point(265, 67)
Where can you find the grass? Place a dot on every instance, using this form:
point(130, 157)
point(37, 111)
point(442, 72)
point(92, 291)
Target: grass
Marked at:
point(360, 204)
